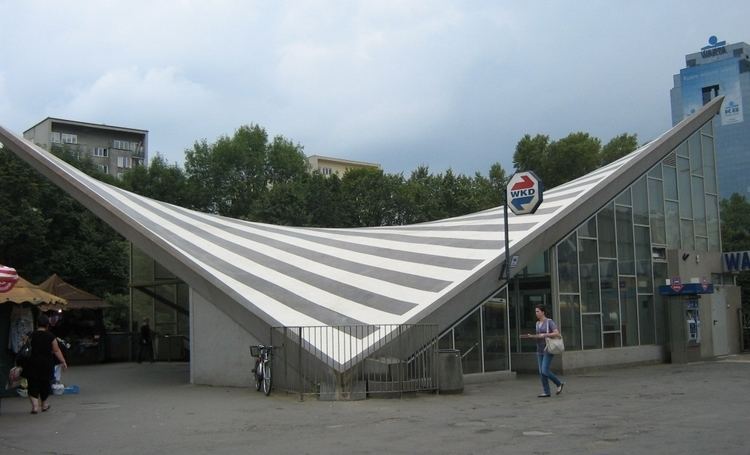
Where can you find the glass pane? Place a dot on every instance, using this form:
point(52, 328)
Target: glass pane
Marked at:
point(625, 252)
point(592, 331)
point(656, 212)
point(588, 229)
point(696, 156)
point(699, 207)
point(655, 172)
point(589, 276)
point(538, 266)
point(467, 335)
point(682, 150)
point(609, 293)
point(646, 319)
point(673, 224)
point(643, 260)
point(567, 264)
point(709, 165)
point(707, 128)
point(660, 311)
point(712, 218)
point(624, 198)
point(701, 243)
point(529, 301)
point(683, 184)
point(606, 221)
point(612, 340)
point(670, 182)
point(688, 238)
point(570, 321)
point(142, 266)
point(495, 334)
point(640, 202)
point(629, 312)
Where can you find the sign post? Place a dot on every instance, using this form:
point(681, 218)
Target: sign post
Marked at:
point(523, 195)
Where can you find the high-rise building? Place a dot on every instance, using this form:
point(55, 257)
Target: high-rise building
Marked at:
point(113, 148)
point(720, 69)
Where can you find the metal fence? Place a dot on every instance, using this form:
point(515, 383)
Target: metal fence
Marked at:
point(355, 361)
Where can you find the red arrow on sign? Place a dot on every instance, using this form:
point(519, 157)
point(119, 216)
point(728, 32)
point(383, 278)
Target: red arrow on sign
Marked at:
point(525, 182)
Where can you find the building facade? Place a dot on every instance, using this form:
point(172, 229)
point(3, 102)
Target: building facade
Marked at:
point(327, 165)
point(602, 280)
point(720, 69)
point(607, 253)
point(113, 149)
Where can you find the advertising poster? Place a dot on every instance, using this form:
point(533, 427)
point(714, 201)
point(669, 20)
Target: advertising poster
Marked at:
point(724, 74)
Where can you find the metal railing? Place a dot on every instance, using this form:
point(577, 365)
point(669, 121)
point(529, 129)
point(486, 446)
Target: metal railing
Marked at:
point(355, 361)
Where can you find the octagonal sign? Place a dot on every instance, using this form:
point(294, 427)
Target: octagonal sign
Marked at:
point(524, 193)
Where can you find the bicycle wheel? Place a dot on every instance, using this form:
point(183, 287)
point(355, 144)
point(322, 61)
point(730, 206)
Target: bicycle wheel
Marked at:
point(267, 378)
point(256, 375)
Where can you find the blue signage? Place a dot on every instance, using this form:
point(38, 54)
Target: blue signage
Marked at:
point(714, 48)
point(687, 289)
point(736, 261)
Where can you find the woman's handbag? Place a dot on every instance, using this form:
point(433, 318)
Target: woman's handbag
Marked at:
point(554, 345)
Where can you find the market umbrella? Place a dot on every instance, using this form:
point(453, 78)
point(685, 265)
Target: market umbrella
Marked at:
point(76, 298)
point(8, 278)
point(25, 292)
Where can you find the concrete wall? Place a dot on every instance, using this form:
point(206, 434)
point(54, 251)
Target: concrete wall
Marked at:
point(576, 361)
point(219, 347)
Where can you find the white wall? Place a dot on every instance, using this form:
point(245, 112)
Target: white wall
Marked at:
point(219, 347)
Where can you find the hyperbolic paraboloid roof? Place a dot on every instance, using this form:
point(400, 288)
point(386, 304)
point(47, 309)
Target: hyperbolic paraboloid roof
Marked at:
point(265, 275)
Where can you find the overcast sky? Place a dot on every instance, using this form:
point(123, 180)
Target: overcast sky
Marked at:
point(447, 84)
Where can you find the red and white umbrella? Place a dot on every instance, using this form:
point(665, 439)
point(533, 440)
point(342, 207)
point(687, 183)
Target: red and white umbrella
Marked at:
point(8, 278)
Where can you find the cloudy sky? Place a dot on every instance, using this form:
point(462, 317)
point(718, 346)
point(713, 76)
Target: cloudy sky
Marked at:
point(448, 84)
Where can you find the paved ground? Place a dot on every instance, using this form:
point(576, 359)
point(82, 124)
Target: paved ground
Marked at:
point(701, 408)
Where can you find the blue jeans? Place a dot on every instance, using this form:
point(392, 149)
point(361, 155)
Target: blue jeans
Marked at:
point(544, 361)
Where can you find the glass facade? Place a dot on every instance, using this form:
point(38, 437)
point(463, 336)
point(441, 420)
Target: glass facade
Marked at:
point(157, 294)
point(607, 270)
point(620, 255)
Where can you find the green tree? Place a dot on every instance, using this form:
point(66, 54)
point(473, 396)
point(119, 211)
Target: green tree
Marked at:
point(618, 147)
point(45, 231)
point(531, 153)
point(735, 236)
point(160, 180)
point(735, 223)
point(370, 197)
point(574, 155)
point(559, 161)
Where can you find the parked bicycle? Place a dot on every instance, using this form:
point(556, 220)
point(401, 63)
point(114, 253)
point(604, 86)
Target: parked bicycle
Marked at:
point(262, 369)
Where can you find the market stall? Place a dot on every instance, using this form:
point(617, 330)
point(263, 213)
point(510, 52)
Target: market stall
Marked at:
point(80, 322)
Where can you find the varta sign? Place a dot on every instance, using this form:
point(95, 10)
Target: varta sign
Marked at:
point(736, 261)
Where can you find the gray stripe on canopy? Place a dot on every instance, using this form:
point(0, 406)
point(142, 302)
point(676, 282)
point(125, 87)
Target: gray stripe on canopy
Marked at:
point(289, 299)
point(343, 290)
point(391, 276)
point(388, 253)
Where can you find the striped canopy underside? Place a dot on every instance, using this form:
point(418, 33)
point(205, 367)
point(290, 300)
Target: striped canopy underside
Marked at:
point(294, 276)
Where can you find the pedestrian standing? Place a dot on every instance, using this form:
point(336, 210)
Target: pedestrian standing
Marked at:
point(145, 344)
point(545, 328)
point(39, 366)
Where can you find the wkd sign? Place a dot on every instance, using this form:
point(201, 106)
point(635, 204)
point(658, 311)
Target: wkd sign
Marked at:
point(736, 261)
point(524, 193)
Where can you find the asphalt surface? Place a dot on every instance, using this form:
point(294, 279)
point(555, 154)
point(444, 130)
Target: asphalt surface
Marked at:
point(127, 408)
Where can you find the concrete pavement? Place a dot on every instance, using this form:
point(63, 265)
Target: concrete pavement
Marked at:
point(127, 408)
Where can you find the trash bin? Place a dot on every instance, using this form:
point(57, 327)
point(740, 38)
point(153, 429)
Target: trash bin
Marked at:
point(450, 372)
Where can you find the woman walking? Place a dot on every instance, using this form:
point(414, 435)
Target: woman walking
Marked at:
point(40, 365)
point(545, 328)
